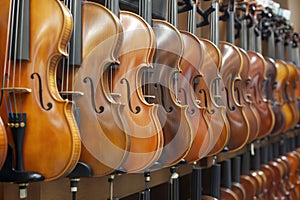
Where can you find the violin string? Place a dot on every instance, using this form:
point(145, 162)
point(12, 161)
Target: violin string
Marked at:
point(73, 49)
point(63, 64)
point(16, 39)
point(21, 52)
point(6, 71)
point(68, 60)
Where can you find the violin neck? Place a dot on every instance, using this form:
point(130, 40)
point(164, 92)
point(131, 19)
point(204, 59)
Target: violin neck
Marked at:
point(214, 32)
point(113, 6)
point(295, 52)
point(271, 45)
point(289, 51)
point(279, 49)
point(244, 35)
point(192, 19)
point(230, 23)
point(75, 48)
point(19, 28)
point(172, 13)
point(252, 39)
point(145, 10)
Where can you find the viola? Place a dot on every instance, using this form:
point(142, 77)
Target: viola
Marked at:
point(30, 100)
point(136, 54)
point(177, 131)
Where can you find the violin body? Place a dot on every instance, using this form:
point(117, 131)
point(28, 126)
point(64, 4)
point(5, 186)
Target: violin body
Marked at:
point(271, 84)
point(290, 92)
point(230, 71)
point(297, 92)
point(278, 170)
point(49, 119)
point(102, 123)
point(239, 191)
point(137, 50)
point(242, 93)
point(227, 194)
point(177, 131)
point(280, 94)
point(263, 106)
point(3, 143)
point(269, 173)
point(199, 120)
point(250, 185)
point(209, 98)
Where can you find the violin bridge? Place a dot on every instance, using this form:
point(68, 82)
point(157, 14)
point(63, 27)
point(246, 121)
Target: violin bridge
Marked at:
point(71, 94)
point(149, 98)
point(115, 96)
point(17, 90)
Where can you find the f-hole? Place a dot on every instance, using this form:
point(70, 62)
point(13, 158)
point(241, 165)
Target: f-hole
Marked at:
point(160, 87)
point(101, 108)
point(231, 108)
point(203, 92)
point(210, 111)
point(190, 111)
point(137, 108)
point(238, 94)
point(49, 105)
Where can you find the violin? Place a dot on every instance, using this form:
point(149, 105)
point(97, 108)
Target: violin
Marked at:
point(84, 79)
point(136, 57)
point(232, 63)
point(282, 77)
point(3, 143)
point(30, 102)
point(247, 181)
point(279, 171)
point(295, 58)
point(163, 86)
point(242, 92)
point(208, 95)
point(226, 184)
point(258, 174)
point(268, 171)
point(192, 60)
point(282, 81)
point(269, 86)
point(293, 79)
point(237, 187)
point(258, 74)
